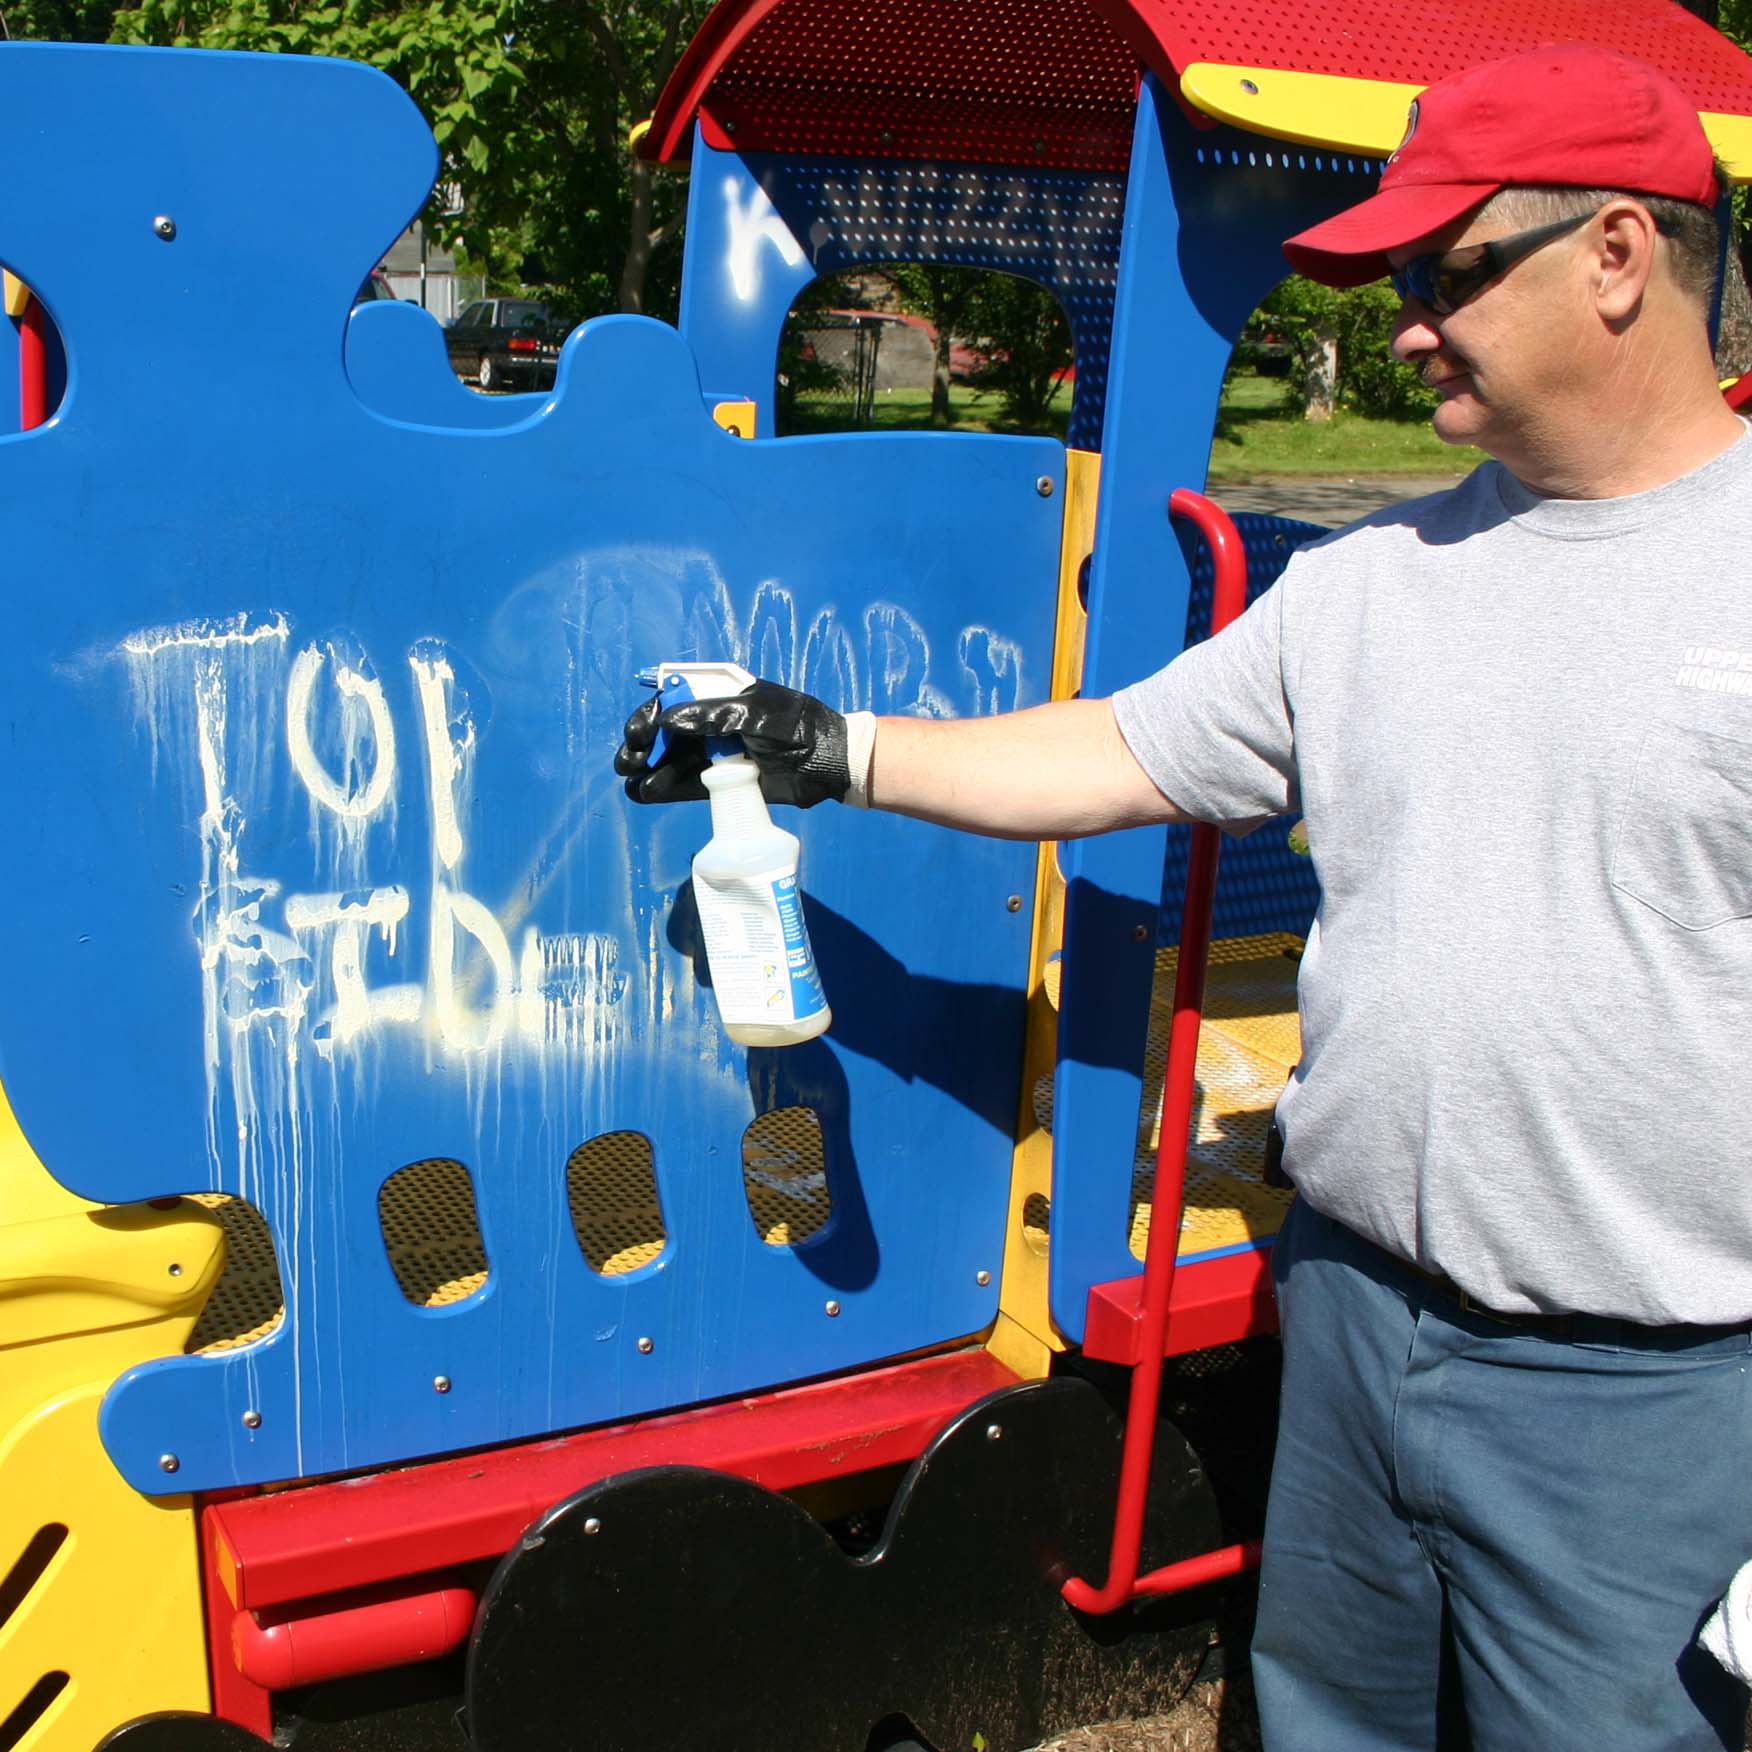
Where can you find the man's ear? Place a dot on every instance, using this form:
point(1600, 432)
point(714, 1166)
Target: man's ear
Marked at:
point(1623, 257)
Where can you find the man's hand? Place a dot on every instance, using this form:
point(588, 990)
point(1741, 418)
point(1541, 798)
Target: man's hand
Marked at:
point(798, 743)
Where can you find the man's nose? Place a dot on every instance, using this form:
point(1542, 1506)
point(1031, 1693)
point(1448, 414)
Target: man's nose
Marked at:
point(1414, 331)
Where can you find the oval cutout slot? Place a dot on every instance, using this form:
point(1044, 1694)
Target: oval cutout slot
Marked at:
point(611, 1188)
point(432, 1232)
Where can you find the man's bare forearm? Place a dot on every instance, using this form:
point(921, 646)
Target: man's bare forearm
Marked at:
point(1053, 772)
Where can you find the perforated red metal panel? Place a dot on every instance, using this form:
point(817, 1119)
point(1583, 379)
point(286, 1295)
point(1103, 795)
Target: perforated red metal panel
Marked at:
point(1052, 82)
point(1035, 82)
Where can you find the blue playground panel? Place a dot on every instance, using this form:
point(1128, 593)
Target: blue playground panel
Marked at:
point(1206, 212)
point(762, 226)
point(318, 867)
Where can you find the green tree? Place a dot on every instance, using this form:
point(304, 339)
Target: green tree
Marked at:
point(1022, 328)
point(59, 21)
point(1369, 379)
point(531, 102)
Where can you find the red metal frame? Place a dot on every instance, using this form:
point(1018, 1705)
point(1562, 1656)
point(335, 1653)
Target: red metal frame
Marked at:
point(358, 1532)
point(351, 1575)
point(33, 365)
point(1128, 1321)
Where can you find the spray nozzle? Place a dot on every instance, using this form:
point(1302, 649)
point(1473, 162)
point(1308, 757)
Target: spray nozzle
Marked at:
point(677, 683)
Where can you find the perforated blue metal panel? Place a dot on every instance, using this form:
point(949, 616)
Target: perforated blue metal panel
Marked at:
point(762, 226)
point(317, 867)
point(1264, 886)
point(1206, 213)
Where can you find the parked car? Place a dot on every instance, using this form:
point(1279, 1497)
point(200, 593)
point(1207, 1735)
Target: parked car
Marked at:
point(375, 285)
point(506, 343)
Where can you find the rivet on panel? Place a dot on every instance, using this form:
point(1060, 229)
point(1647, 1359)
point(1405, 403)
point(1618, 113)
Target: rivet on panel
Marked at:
point(164, 226)
point(1250, 87)
point(168, 1463)
point(252, 1420)
point(1013, 904)
point(994, 1432)
point(1043, 486)
point(982, 1278)
point(440, 1383)
point(176, 1271)
point(1140, 933)
point(832, 1308)
point(646, 1347)
point(592, 1525)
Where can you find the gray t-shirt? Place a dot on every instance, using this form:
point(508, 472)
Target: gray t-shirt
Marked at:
point(1520, 731)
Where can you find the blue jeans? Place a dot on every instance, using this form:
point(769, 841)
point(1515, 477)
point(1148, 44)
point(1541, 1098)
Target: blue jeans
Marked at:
point(1485, 1536)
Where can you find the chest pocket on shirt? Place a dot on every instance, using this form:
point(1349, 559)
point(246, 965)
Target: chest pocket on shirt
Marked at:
point(1685, 847)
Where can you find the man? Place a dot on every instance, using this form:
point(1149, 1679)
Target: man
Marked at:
point(1515, 1466)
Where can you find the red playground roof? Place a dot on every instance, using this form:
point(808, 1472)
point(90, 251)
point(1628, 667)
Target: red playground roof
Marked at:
point(1053, 82)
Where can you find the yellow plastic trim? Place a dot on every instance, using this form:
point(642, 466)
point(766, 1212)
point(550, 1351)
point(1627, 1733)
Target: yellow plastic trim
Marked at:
point(637, 132)
point(736, 417)
point(87, 1292)
point(118, 1607)
point(17, 297)
point(92, 1271)
point(1364, 115)
point(1025, 1335)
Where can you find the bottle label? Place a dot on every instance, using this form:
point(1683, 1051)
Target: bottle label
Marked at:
point(763, 969)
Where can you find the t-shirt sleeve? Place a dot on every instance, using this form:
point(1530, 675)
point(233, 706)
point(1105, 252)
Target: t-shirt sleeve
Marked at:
point(1214, 729)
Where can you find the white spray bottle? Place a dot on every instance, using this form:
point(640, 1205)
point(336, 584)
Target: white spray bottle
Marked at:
point(745, 885)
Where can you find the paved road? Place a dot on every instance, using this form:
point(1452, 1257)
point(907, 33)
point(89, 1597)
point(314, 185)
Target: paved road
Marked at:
point(1327, 499)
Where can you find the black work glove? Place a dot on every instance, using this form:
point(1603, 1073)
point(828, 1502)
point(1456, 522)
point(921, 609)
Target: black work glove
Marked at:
point(798, 743)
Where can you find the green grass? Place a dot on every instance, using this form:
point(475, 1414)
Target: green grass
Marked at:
point(1258, 432)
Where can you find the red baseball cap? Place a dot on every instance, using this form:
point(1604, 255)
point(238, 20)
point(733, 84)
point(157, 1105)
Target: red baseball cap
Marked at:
point(1565, 113)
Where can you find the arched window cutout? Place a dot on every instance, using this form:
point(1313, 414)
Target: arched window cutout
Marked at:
point(432, 1232)
point(907, 347)
point(35, 375)
point(784, 1176)
point(248, 1302)
point(24, 1575)
point(611, 1187)
point(1037, 1223)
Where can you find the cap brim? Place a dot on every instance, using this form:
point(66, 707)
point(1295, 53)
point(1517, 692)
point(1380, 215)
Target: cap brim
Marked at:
point(1350, 248)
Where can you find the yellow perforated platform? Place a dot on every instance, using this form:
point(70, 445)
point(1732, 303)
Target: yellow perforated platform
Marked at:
point(1250, 1042)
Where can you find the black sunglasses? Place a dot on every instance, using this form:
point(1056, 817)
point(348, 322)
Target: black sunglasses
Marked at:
point(1444, 282)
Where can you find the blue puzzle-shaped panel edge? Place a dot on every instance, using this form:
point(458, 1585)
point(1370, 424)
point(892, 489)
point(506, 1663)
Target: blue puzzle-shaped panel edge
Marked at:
point(318, 867)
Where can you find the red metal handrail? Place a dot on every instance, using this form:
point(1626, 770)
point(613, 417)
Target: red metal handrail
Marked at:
point(1228, 599)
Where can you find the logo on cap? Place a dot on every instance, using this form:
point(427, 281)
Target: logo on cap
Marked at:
point(1410, 129)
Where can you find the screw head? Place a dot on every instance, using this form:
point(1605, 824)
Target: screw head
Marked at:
point(1140, 933)
point(440, 1383)
point(252, 1420)
point(646, 1347)
point(1013, 903)
point(592, 1524)
point(994, 1432)
point(833, 1308)
point(176, 1271)
point(982, 1278)
point(164, 226)
point(1250, 87)
point(1043, 486)
point(168, 1463)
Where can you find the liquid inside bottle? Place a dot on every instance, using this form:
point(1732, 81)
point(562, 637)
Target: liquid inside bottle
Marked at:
point(751, 915)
